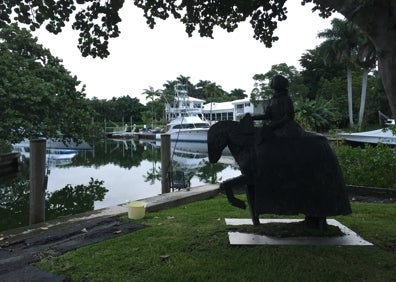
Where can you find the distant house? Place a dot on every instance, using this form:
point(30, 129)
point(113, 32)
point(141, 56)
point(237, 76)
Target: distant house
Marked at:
point(233, 110)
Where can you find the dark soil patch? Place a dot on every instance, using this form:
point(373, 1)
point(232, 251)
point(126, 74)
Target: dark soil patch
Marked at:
point(16, 257)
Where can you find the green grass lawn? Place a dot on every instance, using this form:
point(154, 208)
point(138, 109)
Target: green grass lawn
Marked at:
point(190, 243)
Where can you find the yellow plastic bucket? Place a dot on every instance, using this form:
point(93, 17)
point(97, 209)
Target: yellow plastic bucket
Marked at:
point(136, 210)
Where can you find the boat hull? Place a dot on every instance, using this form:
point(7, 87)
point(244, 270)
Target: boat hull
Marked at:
point(371, 137)
point(187, 135)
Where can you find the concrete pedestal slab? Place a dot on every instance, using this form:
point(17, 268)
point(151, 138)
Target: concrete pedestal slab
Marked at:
point(349, 238)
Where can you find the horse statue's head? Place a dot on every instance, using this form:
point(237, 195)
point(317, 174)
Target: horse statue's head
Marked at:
point(219, 137)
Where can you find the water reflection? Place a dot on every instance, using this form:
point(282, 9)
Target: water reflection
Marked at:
point(57, 153)
point(107, 173)
point(14, 206)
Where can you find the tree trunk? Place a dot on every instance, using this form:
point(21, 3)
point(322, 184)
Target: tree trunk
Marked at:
point(378, 21)
point(363, 96)
point(350, 106)
point(387, 70)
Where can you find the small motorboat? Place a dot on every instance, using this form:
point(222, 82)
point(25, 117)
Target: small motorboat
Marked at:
point(384, 136)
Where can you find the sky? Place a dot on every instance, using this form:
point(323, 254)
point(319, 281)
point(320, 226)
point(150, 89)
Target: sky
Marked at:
point(141, 57)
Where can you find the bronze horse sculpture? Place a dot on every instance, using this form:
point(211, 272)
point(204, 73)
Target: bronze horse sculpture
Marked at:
point(282, 175)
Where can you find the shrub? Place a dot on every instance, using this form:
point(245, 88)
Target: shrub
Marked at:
point(373, 166)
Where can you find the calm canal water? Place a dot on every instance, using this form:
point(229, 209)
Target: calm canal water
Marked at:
point(107, 173)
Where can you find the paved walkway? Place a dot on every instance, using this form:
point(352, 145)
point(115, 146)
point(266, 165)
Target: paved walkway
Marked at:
point(22, 247)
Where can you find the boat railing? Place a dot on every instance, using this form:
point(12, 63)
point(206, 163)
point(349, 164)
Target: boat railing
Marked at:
point(183, 110)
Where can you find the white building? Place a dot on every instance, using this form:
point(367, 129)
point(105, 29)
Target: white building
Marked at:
point(233, 110)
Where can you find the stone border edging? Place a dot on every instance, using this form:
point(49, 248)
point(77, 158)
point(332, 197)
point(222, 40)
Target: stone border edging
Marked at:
point(372, 191)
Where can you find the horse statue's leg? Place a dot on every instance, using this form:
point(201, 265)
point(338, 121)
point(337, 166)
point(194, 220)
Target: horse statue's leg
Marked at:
point(251, 200)
point(227, 186)
point(319, 222)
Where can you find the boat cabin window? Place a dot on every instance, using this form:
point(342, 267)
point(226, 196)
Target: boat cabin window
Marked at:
point(190, 125)
point(202, 125)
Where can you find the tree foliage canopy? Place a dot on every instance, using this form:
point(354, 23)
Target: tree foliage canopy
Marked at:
point(38, 96)
point(97, 21)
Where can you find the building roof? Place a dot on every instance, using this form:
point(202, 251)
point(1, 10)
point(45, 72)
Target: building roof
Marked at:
point(241, 101)
point(224, 106)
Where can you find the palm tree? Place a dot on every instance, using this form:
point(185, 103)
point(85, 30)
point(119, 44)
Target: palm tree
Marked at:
point(185, 80)
point(169, 85)
point(151, 94)
point(199, 89)
point(340, 46)
point(367, 58)
point(169, 93)
point(238, 93)
point(216, 94)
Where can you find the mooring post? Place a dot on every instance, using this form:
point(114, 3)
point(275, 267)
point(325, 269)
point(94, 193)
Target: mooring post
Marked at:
point(165, 162)
point(37, 180)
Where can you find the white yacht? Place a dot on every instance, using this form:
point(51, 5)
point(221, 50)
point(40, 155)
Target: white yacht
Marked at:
point(186, 119)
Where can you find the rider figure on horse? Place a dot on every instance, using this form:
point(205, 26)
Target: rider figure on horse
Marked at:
point(279, 113)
